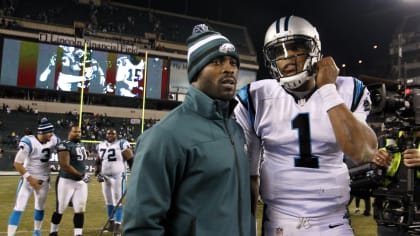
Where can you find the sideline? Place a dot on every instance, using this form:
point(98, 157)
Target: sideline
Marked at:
point(8, 173)
point(14, 173)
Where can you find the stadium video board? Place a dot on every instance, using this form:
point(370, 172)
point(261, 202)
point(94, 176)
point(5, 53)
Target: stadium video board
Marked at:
point(31, 64)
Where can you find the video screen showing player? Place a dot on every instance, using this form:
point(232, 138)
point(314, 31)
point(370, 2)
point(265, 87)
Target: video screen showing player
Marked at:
point(67, 67)
point(129, 76)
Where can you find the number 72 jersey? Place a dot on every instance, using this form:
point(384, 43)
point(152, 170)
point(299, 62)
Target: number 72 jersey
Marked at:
point(292, 146)
point(110, 154)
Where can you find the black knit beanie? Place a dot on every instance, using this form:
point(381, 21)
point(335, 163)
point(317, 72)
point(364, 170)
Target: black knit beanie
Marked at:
point(205, 45)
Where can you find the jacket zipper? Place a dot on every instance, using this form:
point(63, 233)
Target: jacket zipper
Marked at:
point(237, 176)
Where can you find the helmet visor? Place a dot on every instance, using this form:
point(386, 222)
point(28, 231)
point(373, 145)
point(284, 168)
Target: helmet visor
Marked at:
point(284, 49)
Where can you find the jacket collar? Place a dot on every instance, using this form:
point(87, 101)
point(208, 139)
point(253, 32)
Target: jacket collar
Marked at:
point(208, 107)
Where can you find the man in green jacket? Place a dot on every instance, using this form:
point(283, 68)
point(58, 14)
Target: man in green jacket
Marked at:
point(190, 174)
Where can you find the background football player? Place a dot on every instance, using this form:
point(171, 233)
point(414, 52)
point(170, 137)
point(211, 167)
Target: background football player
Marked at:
point(110, 169)
point(71, 182)
point(31, 162)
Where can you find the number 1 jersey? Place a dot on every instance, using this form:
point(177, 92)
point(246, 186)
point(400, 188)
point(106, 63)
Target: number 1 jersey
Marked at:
point(292, 146)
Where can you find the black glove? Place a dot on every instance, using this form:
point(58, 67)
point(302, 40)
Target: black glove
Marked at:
point(100, 178)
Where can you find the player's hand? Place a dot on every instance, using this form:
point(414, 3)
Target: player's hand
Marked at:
point(53, 60)
point(89, 73)
point(86, 178)
point(100, 178)
point(327, 72)
point(411, 157)
point(35, 183)
point(382, 158)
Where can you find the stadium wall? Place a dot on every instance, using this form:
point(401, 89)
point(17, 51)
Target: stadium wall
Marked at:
point(56, 107)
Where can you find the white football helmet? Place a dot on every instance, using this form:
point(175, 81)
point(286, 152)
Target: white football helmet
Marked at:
point(287, 32)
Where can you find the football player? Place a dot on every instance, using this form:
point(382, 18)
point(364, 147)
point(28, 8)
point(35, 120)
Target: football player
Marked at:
point(301, 122)
point(71, 183)
point(31, 162)
point(70, 77)
point(110, 168)
point(129, 78)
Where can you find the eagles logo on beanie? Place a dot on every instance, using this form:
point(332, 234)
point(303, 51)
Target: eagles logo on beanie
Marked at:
point(45, 126)
point(205, 45)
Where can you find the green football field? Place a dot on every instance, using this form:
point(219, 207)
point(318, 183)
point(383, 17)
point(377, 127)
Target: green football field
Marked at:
point(95, 217)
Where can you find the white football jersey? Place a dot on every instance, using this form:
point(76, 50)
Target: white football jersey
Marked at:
point(37, 154)
point(129, 76)
point(111, 157)
point(292, 146)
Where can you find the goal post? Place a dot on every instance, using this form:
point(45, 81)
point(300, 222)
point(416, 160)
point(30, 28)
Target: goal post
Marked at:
point(143, 98)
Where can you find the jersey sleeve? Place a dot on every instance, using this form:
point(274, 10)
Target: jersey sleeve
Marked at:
point(124, 144)
point(361, 104)
point(245, 116)
point(356, 96)
point(57, 140)
point(54, 141)
point(97, 147)
point(25, 148)
point(21, 155)
point(25, 144)
point(62, 146)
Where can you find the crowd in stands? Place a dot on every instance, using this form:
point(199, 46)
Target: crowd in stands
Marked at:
point(111, 17)
point(14, 124)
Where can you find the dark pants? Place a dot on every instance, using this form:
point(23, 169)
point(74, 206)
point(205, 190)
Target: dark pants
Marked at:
point(367, 204)
point(384, 230)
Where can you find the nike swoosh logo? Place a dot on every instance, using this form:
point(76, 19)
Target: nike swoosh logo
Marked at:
point(333, 226)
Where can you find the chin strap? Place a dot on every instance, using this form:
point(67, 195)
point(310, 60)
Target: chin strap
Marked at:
point(294, 81)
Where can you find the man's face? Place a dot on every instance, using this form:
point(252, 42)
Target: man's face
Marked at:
point(75, 134)
point(46, 137)
point(292, 65)
point(111, 135)
point(290, 56)
point(218, 78)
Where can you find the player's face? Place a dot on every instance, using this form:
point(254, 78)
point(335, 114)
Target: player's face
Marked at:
point(111, 135)
point(48, 136)
point(45, 137)
point(218, 78)
point(293, 63)
point(290, 55)
point(75, 134)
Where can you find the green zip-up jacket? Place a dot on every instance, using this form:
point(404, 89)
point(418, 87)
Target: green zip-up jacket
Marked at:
point(190, 174)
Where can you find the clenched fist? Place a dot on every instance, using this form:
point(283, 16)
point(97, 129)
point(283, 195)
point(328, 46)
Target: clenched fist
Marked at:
point(327, 72)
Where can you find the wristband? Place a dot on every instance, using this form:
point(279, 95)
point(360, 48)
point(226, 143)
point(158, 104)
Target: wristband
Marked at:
point(26, 175)
point(330, 96)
